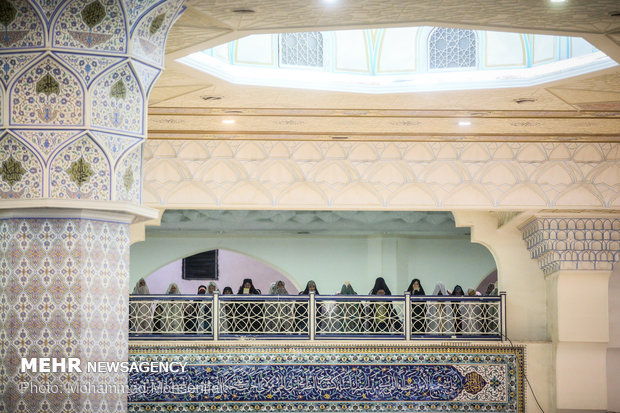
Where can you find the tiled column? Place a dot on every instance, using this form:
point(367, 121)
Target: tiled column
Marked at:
point(577, 255)
point(63, 293)
point(75, 77)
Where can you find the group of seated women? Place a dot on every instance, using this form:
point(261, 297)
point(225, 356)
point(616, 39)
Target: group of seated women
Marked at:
point(291, 316)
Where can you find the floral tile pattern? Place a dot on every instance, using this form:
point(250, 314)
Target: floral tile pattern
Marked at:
point(85, 84)
point(63, 293)
point(80, 171)
point(47, 94)
point(308, 378)
point(20, 171)
point(93, 25)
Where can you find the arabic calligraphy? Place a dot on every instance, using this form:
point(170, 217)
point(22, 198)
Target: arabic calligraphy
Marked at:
point(308, 383)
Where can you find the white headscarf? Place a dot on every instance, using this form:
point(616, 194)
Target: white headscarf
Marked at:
point(275, 290)
point(439, 287)
point(216, 290)
point(141, 289)
point(169, 290)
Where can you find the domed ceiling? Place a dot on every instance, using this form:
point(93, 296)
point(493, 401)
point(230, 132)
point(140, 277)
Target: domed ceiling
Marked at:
point(574, 97)
point(399, 60)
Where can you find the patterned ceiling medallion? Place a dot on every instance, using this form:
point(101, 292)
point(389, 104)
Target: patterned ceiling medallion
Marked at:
point(156, 23)
point(80, 172)
point(7, 12)
point(12, 171)
point(128, 179)
point(118, 90)
point(48, 85)
point(93, 13)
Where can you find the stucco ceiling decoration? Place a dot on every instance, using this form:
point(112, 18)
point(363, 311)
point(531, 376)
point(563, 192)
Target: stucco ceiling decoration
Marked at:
point(423, 176)
point(187, 104)
point(363, 223)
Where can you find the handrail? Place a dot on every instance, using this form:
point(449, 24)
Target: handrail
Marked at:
point(317, 317)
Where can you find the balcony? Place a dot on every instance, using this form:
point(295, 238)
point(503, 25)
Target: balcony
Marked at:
point(314, 317)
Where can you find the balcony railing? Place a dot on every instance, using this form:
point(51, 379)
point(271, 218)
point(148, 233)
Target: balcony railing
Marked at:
point(314, 317)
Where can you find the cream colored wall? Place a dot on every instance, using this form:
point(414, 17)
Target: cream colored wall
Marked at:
point(540, 374)
point(518, 274)
point(578, 317)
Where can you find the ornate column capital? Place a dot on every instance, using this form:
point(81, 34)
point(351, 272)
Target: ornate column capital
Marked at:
point(573, 242)
point(75, 77)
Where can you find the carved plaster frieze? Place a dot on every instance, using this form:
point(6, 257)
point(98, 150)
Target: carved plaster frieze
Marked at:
point(510, 176)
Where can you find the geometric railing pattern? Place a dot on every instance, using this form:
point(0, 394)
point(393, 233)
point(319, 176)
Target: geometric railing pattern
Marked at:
point(313, 317)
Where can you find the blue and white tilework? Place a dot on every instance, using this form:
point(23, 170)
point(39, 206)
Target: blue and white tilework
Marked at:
point(62, 104)
point(67, 70)
point(89, 67)
point(20, 170)
point(63, 293)
point(22, 27)
point(149, 36)
point(64, 282)
point(118, 102)
point(307, 378)
point(104, 31)
point(96, 181)
point(128, 178)
point(10, 64)
point(46, 142)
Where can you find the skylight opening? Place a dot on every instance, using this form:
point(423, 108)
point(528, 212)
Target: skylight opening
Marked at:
point(399, 60)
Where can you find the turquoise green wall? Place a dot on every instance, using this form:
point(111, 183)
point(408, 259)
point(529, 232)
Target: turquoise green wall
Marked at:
point(332, 260)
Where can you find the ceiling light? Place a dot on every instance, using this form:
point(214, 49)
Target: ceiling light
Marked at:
point(464, 123)
point(558, 1)
point(228, 121)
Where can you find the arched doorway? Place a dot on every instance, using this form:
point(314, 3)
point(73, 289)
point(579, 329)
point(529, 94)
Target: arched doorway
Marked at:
point(233, 267)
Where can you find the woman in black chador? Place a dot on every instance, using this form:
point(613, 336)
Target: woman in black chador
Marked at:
point(301, 309)
point(350, 314)
point(458, 309)
point(194, 316)
point(382, 317)
point(248, 316)
point(418, 309)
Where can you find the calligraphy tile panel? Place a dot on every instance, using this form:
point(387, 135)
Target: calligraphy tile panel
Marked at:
point(306, 378)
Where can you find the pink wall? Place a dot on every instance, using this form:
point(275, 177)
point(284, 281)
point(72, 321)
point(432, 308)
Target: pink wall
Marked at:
point(233, 267)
